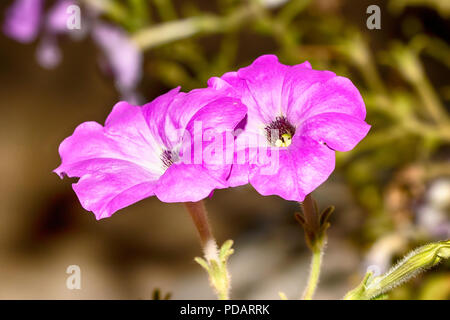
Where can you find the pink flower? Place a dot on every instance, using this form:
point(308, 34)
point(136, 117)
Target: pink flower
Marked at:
point(301, 115)
point(146, 151)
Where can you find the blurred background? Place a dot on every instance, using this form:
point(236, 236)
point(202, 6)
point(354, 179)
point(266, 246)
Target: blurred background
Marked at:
point(391, 193)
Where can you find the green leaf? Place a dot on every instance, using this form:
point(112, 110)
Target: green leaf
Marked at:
point(225, 250)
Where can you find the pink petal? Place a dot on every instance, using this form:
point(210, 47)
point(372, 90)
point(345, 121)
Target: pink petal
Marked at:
point(112, 160)
point(235, 86)
point(113, 186)
point(339, 131)
point(298, 79)
point(264, 78)
point(155, 114)
point(182, 111)
point(239, 175)
point(337, 94)
point(217, 121)
point(223, 113)
point(303, 166)
point(186, 182)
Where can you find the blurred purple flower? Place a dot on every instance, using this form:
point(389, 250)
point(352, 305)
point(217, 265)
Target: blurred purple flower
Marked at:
point(137, 154)
point(22, 20)
point(122, 56)
point(48, 52)
point(302, 115)
point(56, 19)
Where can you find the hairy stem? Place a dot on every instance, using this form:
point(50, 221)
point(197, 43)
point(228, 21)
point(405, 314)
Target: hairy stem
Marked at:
point(314, 274)
point(315, 225)
point(199, 215)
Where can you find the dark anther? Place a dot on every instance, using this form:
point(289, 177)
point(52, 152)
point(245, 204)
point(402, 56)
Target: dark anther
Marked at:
point(280, 128)
point(168, 158)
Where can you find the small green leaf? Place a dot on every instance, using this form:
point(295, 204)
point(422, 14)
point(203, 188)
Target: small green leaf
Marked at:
point(202, 262)
point(358, 292)
point(225, 249)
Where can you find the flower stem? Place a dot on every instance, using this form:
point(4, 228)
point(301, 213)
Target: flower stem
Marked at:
point(314, 274)
point(215, 260)
point(199, 215)
point(315, 225)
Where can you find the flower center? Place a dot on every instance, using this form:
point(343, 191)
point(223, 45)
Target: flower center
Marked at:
point(168, 158)
point(280, 132)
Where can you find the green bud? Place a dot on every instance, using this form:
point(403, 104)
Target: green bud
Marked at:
point(412, 264)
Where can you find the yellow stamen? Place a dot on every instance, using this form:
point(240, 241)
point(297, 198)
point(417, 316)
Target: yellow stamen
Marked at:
point(285, 140)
